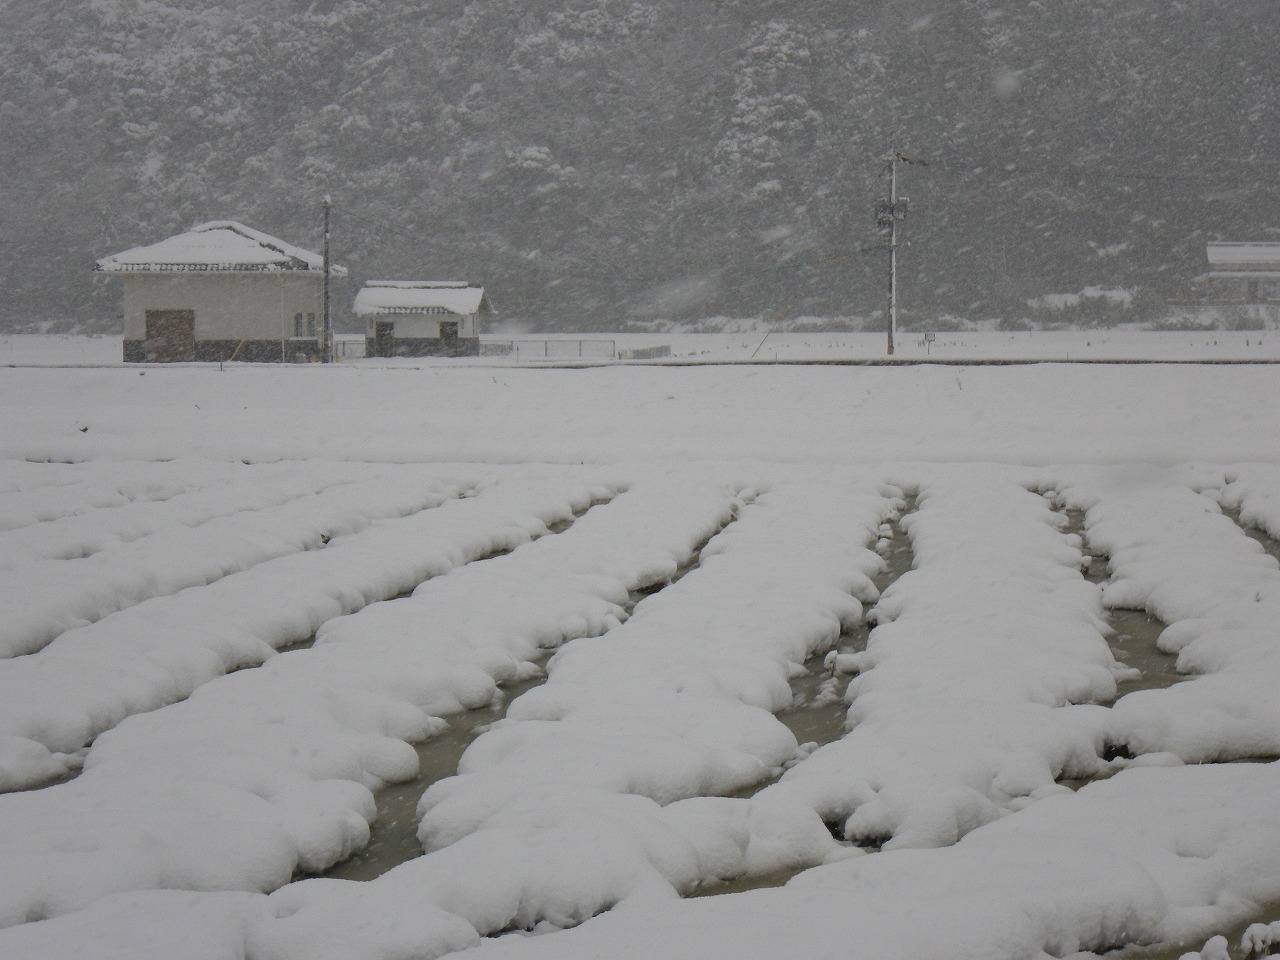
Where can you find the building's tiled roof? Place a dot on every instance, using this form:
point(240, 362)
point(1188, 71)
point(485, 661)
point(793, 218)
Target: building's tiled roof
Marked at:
point(420, 296)
point(221, 246)
point(1227, 257)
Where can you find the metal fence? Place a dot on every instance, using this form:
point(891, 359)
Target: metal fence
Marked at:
point(344, 349)
point(524, 350)
point(645, 353)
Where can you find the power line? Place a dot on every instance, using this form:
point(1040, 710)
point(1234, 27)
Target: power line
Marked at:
point(1115, 170)
point(651, 279)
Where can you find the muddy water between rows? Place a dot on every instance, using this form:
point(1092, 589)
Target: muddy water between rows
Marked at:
point(1134, 633)
point(393, 837)
point(1233, 933)
point(818, 708)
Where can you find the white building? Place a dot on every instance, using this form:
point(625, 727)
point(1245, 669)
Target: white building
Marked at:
point(220, 291)
point(421, 318)
point(1242, 273)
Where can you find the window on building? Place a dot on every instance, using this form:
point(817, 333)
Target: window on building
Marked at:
point(299, 326)
point(311, 324)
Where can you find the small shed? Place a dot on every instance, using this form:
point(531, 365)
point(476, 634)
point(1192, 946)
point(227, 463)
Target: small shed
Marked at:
point(421, 318)
point(221, 291)
point(1241, 273)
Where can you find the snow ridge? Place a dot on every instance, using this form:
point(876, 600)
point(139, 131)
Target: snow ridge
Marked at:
point(46, 598)
point(270, 770)
point(54, 702)
point(611, 758)
point(1173, 553)
point(957, 716)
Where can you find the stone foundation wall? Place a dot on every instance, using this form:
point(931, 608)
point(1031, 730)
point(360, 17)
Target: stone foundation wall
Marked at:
point(425, 347)
point(249, 351)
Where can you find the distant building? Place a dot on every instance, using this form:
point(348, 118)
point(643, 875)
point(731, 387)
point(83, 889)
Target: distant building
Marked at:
point(421, 318)
point(220, 291)
point(1241, 273)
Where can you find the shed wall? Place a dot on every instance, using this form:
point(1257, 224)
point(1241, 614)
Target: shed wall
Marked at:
point(419, 326)
point(228, 306)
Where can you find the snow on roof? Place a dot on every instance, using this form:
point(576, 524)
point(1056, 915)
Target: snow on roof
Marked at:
point(220, 246)
point(1230, 254)
point(419, 296)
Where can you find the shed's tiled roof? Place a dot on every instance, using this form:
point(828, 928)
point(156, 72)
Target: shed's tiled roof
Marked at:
point(420, 296)
point(220, 246)
point(1236, 256)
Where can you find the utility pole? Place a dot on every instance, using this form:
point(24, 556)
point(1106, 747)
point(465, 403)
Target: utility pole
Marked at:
point(888, 213)
point(326, 324)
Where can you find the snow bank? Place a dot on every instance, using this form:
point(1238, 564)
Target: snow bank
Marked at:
point(957, 716)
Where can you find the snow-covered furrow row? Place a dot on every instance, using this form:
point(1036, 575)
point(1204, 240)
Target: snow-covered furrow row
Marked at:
point(1153, 856)
point(958, 714)
point(35, 494)
point(1156, 856)
point(1173, 553)
point(701, 667)
point(266, 771)
point(55, 701)
point(600, 786)
point(44, 599)
point(1254, 492)
point(84, 534)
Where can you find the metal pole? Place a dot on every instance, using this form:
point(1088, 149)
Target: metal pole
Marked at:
point(326, 325)
point(893, 249)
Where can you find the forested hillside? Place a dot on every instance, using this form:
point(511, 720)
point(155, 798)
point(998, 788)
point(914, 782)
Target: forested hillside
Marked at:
point(596, 161)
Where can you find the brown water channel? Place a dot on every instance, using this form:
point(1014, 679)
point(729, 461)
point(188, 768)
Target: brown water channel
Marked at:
point(1134, 632)
point(1269, 543)
point(1233, 933)
point(393, 837)
point(818, 708)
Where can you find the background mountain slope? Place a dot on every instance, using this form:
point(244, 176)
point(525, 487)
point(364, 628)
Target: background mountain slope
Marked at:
point(593, 161)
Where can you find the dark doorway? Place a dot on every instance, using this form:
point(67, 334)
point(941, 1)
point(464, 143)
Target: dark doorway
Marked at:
point(449, 337)
point(171, 336)
point(384, 331)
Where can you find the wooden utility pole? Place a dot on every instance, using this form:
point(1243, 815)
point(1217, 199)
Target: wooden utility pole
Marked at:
point(326, 324)
point(887, 216)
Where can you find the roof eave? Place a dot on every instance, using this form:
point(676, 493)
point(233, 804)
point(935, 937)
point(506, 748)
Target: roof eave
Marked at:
point(225, 268)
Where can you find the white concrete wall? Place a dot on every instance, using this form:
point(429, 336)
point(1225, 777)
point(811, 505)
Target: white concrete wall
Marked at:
point(425, 326)
point(245, 306)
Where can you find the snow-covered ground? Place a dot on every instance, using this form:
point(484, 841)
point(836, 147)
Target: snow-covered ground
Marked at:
point(1125, 343)
point(235, 599)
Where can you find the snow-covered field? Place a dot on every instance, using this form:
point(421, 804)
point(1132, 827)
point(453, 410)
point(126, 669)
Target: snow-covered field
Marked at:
point(236, 599)
point(1112, 344)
